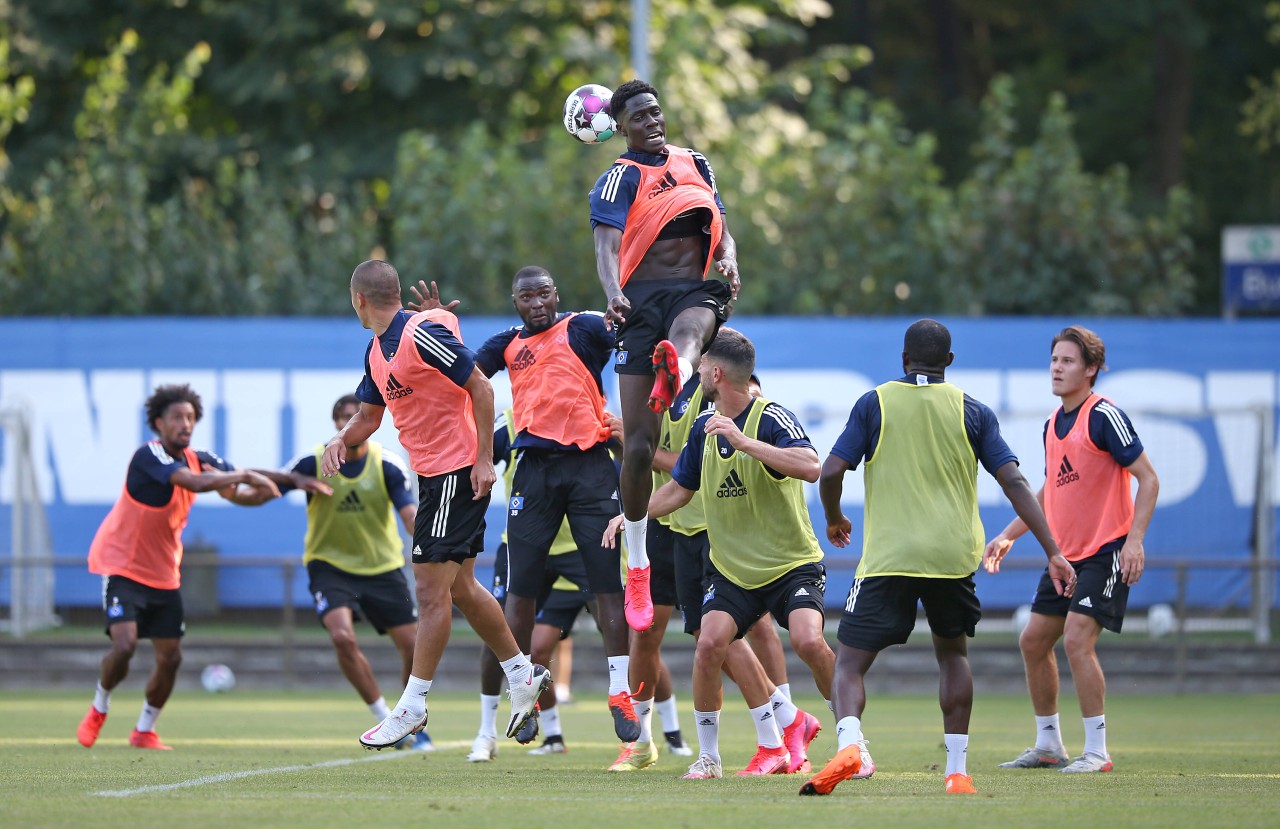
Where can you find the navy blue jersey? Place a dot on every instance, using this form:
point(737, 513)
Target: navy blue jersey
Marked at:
point(1109, 429)
point(861, 434)
point(395, 475)
point(778, 426)
point(501, 441)
point(151, 467)
point(589, 338)
point(616, 188)
point(436, 346)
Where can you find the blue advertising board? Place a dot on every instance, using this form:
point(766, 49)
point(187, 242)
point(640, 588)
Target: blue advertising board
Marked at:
point(1192, 387)
point(1251, 269)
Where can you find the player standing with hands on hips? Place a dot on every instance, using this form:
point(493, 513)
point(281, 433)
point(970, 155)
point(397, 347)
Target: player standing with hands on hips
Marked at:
point(1090, 451)
point(659, 228)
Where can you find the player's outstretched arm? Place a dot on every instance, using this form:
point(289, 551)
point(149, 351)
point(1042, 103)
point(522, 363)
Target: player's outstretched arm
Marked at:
point(427, 298)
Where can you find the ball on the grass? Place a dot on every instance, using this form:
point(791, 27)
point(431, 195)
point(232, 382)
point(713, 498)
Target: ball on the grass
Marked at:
point(586, 114)
point(217, 679)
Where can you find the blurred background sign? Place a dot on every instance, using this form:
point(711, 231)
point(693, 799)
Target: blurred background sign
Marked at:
point(1250, 270)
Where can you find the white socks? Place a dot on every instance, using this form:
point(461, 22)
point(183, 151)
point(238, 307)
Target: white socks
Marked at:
point(147, 722)
point(489, 715)
point(635, 532)
point(1095, 735)
point(102, 699)
point(378, 708)
point(670, 716)
point(619, 674)
point(1049, 734)
point(550, 722)
point(848, 732)
point(518, 669)
point(784, 712)
point(767, 733)
point(785, 690)
point(708, 723)
point(686, 371)
point(644, 712)
point(957, 747)
point(414, 698)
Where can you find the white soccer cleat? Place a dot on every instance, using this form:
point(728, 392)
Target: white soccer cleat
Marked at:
point(705, 767)
point(1087, 763)
point(868, 766)
point(524, 697)
point(484, 749)
point(398, 725)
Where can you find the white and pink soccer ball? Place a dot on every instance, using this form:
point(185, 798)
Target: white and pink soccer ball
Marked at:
point(586, 114)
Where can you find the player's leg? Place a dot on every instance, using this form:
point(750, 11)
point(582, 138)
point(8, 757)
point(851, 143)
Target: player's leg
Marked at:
point(799, 597)
point(339, 622)
point(562, 671)
point(878, 612)
point(1100, 600)
point(664, 702)
point(767, 646)
point(162, 620)
point(1036, 642)
point(694, 314)
point(1080, 640)
point(547, 634)
point(120, 620)
point(640, 427)
point(525, 680)
point(485, 746)
point(645, 651)
point(533, 519)
point(953, 611)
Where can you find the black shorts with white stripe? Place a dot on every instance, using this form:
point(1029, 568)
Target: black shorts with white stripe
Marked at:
point(450, 523)
point(1100, 592)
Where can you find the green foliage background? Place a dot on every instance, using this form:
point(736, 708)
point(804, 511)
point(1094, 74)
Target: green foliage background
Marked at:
point(218, 157)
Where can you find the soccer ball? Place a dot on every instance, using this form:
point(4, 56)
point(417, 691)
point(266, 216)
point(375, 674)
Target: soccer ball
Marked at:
point(217, 679)
point(586, 114)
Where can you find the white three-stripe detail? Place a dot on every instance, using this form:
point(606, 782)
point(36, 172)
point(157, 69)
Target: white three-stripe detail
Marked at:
point(783, 419)
point(853, 596)
point(441, 520)
point(612, 179)
point(429, 343)
point(1117, 421)
point(158, 450)
point(1115, 573)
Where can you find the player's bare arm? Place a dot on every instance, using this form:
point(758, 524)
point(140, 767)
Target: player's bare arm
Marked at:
point(483, 474)
point(1133, 554)
point(426, 297)
point(359, 428)
point(726, 256)
point(830, 488)
point(608, 241)
point(1025, 504)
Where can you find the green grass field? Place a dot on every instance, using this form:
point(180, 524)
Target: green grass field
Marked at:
point(250, 759)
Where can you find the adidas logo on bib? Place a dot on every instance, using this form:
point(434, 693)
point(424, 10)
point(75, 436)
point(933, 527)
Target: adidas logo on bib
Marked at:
point(732, 486)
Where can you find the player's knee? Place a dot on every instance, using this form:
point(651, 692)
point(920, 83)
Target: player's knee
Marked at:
point(344, 639)
point(1078, 643)
point(811, 648)
point(1034, 643)
point(169, 660)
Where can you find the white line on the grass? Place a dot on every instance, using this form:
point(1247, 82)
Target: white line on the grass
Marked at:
point(240, 775)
